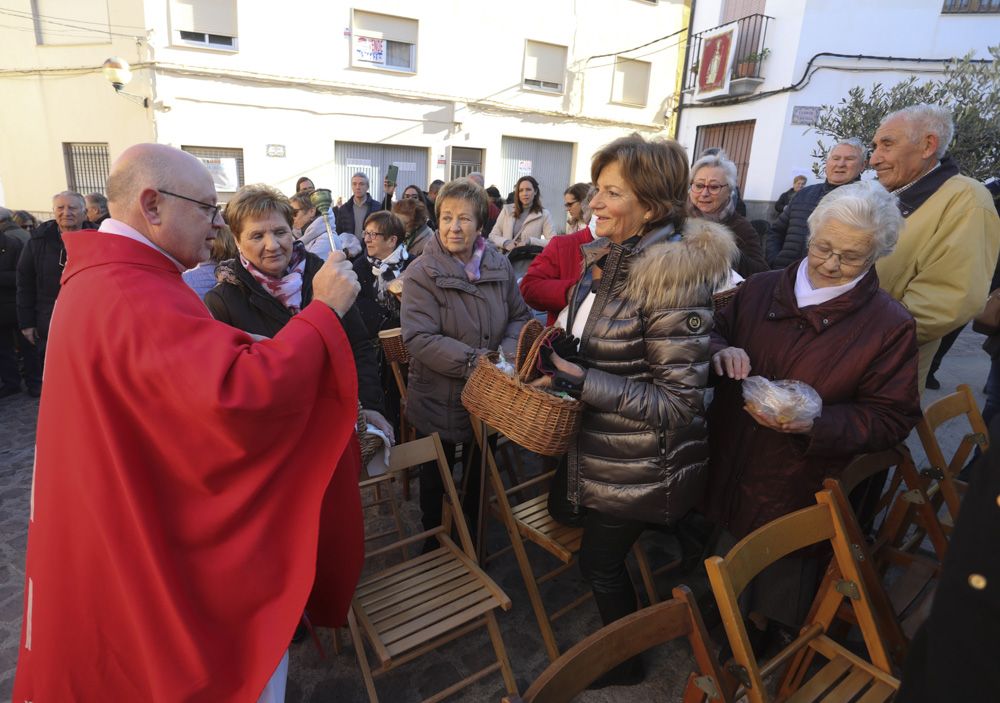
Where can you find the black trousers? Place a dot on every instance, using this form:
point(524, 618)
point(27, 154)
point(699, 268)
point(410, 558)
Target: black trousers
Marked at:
point(607, 541)
point(946, 343)
point(432, 488)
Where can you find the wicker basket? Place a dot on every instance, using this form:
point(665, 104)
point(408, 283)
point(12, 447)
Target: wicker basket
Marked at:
point(370, 443)
point(532, 418)
point(392, 345)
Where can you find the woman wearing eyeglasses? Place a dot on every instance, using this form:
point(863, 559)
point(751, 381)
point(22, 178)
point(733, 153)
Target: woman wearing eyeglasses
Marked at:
point(270, 281)
point(823, 320)
point(577, 210)
point(713, 179)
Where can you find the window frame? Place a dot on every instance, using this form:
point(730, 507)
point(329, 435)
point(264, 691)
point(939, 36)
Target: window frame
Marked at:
point(177, 40)
point(221, 152)
point(537, 85)
point(614, 82)
point(972, 7)
point(359, 33)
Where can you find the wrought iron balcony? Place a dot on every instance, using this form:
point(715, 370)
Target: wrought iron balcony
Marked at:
point(748, 53)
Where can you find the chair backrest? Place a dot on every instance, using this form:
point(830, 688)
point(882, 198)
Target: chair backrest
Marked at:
point(862, 468)
point(613, 644)
point(956, 404)
point(730, 575)
point(411, 455)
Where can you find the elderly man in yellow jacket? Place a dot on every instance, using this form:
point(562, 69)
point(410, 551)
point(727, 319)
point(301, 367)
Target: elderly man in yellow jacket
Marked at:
point(943, 264)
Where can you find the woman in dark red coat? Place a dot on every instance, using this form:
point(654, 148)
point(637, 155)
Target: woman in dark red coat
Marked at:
point(826, 322)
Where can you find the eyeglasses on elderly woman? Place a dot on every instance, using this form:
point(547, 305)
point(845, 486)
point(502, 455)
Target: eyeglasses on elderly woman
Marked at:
point(712, 188)
point(850, 259)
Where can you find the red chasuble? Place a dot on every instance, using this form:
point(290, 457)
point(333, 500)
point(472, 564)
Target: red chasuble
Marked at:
point(180, 472)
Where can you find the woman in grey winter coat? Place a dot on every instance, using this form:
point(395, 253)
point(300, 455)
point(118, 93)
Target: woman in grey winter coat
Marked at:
point(460, 300)
point(643, 313)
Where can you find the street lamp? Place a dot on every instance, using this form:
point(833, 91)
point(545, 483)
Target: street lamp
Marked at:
point(118, 73)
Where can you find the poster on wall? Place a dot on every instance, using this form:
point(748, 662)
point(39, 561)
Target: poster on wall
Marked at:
point(715, 62)
point(523, 168)
point(370, 50)
point(225, 172)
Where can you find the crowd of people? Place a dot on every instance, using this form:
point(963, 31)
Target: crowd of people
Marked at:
point(850, 291)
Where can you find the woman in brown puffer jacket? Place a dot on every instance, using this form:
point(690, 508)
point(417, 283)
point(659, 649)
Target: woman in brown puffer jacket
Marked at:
point(460, 301)
point(643, 313)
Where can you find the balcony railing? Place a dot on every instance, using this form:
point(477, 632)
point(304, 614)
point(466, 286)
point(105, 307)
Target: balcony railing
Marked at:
point(750, 41)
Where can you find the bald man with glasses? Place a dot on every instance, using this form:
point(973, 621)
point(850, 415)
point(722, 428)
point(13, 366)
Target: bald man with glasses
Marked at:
point(182, 465)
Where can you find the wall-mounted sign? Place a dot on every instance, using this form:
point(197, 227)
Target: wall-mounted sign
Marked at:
point(407, 166)
point(805, 114)
point(351, 161)
point(276, 150)
point(715, 62)
point(524, 168)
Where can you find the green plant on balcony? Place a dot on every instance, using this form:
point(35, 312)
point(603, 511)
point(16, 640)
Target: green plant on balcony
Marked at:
point(747, 66)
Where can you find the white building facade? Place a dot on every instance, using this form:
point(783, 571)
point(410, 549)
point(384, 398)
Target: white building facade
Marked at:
point(763, 118)
point(267, 93)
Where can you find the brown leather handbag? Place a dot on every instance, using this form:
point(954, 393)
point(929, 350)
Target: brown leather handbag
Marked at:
point(988, 321)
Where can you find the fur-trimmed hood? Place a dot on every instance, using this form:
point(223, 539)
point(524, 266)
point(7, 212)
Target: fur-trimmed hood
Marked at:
point(683, 273)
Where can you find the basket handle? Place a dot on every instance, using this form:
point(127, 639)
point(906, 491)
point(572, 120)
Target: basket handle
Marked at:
point(529, 333)
point(528, 371)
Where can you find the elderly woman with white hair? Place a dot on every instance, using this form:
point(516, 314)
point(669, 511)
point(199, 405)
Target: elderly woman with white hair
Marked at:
point(825, 322)
point(713, 182)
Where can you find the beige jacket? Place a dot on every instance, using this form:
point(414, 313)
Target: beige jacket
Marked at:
point(943, 264)
point(537, 229)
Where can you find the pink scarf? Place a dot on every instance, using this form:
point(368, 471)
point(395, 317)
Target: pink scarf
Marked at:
point(287, 289)
point(472, 268)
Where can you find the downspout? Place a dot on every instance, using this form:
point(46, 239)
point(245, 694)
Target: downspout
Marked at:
point(684, 72)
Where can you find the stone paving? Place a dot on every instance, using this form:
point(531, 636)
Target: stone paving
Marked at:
point(336, 678)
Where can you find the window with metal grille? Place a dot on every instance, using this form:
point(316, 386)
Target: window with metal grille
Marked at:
point(225, 165)
point(465, 161)
point(956, 7)
point(87, 167)
point(735, 138)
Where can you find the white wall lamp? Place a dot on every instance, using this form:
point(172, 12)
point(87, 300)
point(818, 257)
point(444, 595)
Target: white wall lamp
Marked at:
point(118, 73)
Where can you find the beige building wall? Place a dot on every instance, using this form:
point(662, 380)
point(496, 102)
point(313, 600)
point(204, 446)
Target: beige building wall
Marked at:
point(292, 79)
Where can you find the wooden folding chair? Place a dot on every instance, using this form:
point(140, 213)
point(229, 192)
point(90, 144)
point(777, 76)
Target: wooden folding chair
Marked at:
point(623, 639)
point(845, 676)
point(399, 361)
point(413, 607)
point(529, 519)
point(893, 607)
point(945, 472)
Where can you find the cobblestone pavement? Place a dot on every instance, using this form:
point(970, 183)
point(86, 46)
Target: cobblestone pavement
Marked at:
point(336, 678)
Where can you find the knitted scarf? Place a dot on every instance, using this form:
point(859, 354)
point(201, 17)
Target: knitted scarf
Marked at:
point(386, 271)
point(287, 289)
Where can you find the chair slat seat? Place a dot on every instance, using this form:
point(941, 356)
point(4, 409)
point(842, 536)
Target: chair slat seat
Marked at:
point(825, 679)
point(413, 607)
point(881, 692)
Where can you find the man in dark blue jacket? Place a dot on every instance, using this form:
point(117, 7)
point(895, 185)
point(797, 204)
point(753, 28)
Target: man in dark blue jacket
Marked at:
point(786, 239)
point(351, 215)
point(39, 269)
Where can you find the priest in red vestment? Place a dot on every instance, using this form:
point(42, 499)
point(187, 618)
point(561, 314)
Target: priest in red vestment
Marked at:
point(180, 466)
